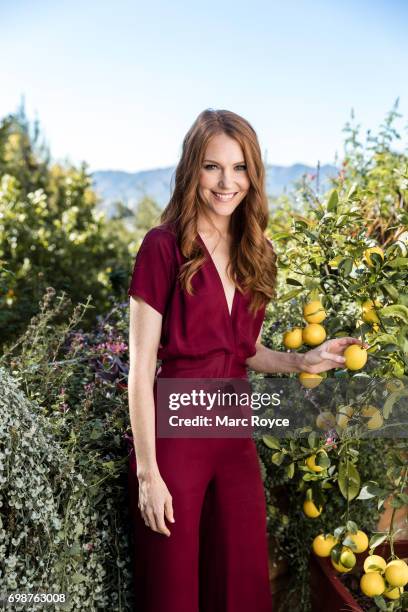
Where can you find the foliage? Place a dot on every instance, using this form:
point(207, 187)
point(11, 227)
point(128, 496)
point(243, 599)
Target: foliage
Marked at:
point(321, 255)
point(52, 233)
point(64, 418)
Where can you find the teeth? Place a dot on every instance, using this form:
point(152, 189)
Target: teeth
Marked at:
point(224, 196)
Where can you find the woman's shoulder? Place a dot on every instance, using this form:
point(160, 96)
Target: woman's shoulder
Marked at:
point(163, 234)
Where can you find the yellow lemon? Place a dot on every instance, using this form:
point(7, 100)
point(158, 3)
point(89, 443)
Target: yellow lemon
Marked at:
point(310, 509)
point(372, 584)
point(360, 541)
point(348, 559)
point(340, 568)
point(394, 593)
point(355, 356)
point(311, 462)
point(374, 563)
point(367, 255)
point(322, 545)
point(396, 573)
point(313, 312)
point(292, 339)
point(310, 381)
point(375, 420)
point(313, 334)
point(369, 314)
point(325, 420)
point(344, 413)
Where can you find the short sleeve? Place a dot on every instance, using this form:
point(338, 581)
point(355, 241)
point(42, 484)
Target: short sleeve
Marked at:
point(154, 271)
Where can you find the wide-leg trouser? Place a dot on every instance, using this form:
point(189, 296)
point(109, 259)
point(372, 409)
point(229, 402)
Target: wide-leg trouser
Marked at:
point(215, 559)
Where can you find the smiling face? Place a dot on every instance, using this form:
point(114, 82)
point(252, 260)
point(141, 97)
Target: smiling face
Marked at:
point(223, 180)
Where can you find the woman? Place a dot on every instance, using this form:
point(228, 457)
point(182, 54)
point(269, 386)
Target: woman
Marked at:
point(200, 286)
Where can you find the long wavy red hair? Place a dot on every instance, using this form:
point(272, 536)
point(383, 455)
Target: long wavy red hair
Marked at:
point(253, 260)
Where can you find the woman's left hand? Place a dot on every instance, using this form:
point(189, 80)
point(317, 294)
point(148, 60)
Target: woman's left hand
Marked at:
point(327, 355)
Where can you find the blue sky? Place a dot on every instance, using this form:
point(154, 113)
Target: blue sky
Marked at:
point(118, 84)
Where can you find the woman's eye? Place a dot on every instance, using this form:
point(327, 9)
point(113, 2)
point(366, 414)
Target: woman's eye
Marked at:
point(208, 166)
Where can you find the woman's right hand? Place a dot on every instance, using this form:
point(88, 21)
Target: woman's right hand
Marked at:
point(155, 502)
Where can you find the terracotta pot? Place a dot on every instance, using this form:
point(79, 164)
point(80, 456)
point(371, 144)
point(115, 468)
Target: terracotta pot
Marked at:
point(400, 519)
point(328, 591)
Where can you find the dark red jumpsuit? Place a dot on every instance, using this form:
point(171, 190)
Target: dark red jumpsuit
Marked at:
point(215, 559)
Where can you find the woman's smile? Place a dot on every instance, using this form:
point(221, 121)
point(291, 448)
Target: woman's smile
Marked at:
point(224, 197)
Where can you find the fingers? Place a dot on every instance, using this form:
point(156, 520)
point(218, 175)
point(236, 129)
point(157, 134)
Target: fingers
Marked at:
point(333, 357)
point(349, 340)
point(151, 519)
point(168, 510)
point(155, 520)
point(161, 525)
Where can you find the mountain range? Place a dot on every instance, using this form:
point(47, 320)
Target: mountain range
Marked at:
point(130, 187)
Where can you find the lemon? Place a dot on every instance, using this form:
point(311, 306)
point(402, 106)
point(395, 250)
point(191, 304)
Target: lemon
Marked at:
point(313, 334)
point(374, 563)
point(311, 462)
point(310, 509)
point(367, 255)
point(322, 545)
point(376, 420)
point(372, 584)
point(344, 413)
point(394, 593)
point(325, 420)
point(348, 559)
point(340, 568)
point(292, 339)
point(360, 540)
point(313, 312)
point(396, 573)
point(369, 314)
point(310, 381)
point(355, 356)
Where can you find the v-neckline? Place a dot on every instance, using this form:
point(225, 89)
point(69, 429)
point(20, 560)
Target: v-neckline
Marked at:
point(229, 312)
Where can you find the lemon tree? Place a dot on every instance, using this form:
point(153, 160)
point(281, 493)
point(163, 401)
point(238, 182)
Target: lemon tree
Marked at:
point(343, 260)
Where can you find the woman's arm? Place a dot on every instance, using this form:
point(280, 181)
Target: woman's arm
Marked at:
point(144, 338)
point(326, 356)
point(268, 361)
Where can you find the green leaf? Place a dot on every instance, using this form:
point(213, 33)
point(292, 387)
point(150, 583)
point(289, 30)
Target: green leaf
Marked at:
point(352, 190)
point(290, 470)
point(293, 281)
point(365, 493)
point(352, 527)
point(77, 578)
point(380, 602)
point(280, 236)
point(271, 442)
point(398, 262)
point(346, 266)
point(277, 458)
point(333, 201)
point(377, 539)
point(313, 439)
point(391, 400)
point(396, 310)
point(348, 481)
point(288, 296)
point(391, 290)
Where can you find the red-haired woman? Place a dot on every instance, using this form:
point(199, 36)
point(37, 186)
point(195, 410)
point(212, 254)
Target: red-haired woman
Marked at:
point(200, 286)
